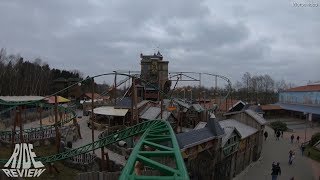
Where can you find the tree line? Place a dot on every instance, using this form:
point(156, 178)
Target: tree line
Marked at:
point(28, 77)
point(259, 89)
point(254, 89)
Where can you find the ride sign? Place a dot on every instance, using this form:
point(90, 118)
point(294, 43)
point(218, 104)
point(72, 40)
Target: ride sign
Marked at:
point(21, 160)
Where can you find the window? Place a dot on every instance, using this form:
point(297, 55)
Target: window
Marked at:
point(228, 141)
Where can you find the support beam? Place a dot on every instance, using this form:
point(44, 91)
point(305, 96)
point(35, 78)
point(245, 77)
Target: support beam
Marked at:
point(102, 159)
point(20, 124)
point(92, 113)
point(56, 122)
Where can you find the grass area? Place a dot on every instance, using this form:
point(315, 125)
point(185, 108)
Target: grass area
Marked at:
point(314, 154)
point(65, 172)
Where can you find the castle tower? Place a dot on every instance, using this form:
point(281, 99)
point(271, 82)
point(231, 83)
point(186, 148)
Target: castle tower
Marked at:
point(154, 70)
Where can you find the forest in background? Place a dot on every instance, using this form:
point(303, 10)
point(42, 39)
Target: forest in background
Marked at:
point(35, 77)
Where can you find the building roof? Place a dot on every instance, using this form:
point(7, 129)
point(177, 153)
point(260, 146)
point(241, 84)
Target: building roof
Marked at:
point(124, 103)
point(105, 97)
point(215, 127)
point(153, 113)
point(182, 103)
point(243, 129)
point(238, 106)
point(60, 99)
point(154, 56)
point(95, 95)
point(256, 116)
point(110, 111)
point(197, 136)
point(311, 87)
point(142, 103)
point(269, 107)
point(21, 98)
point(227, 133)
point(225, 106)
point(300, 108)
point(200, 125)
point(198, 107)
point(255, 108)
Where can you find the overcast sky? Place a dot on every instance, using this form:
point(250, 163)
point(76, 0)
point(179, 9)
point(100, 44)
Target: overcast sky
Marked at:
point(222, 37)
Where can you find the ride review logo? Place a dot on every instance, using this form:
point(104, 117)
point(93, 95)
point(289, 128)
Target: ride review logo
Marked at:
point(21, 161)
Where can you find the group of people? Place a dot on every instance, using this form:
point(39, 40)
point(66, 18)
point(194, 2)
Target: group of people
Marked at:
point(292, 138)
point(276, 170)
point(277, 134)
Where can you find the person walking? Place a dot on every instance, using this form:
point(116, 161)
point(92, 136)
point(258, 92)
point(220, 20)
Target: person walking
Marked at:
point(278, 134)
point(276, 171)
point(291, 157)
point(298, 138)
point(281, 133)
point(292, 138)
point(265, 135)
point(302, 149)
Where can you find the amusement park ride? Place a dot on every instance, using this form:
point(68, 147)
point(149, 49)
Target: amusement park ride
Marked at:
point(157, 140)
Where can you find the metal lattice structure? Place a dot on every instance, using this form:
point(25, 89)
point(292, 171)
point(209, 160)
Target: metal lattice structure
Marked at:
point(161, 139)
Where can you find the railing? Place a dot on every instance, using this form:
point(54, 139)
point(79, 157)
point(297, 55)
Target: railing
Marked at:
point(35, 135)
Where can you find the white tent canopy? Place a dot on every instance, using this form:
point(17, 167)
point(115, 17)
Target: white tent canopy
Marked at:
point(110, 111)
point(20, 98)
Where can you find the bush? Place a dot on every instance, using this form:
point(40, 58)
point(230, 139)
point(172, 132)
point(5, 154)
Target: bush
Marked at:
point(315, 138)
point(279, 126)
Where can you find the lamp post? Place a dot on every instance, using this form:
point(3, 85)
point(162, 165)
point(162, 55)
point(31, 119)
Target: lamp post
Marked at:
point(190, 94)
point(92, 114)
point(40, 117)
point(56, 122)
point(184, 93)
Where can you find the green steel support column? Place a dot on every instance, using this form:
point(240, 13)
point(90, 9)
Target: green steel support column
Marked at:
point(168, 148)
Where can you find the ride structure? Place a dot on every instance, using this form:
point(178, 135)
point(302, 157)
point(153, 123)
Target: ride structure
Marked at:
point(165, 145)
point(156, 149)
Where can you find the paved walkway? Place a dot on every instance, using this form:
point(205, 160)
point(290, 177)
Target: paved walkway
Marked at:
point(87, 138)
point(302, 168)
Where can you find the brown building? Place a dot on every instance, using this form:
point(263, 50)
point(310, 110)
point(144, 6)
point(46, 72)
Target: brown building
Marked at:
point(252, 119)
point(154, 70)
point(238, 148)
point(200, 147)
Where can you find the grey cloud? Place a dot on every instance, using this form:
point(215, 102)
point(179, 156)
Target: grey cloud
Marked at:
point(228, 38)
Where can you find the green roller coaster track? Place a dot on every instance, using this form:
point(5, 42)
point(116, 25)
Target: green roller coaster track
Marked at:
point(156, 134)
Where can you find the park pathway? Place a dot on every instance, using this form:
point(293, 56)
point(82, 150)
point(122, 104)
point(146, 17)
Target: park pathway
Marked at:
point(86, 134)
point(278, 151)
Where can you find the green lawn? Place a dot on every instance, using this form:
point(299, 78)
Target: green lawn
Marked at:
point(314, 154)
point(65, 172)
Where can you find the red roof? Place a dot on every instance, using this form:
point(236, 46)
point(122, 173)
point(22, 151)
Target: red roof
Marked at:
point(225, 106)
point(95, 95)
point(270, 107)
point(313, 87)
